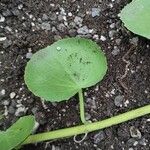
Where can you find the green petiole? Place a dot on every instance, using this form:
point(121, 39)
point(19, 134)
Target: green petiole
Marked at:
point(81, 103)
point(62, 133)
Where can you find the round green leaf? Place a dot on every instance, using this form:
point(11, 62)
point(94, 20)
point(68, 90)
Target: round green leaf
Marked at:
point(59, 71)
point(17, 133)
point(136, 17)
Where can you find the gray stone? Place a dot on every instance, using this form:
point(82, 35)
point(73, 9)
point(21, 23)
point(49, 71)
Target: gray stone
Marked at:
point(99, 137)
point(78, 20)
point(118, 41)
point(83, 30)
point(6, 102)
point(2, 39)
point(15, 12)
point(7, 13)
point(61, 27)
point(57, 37)
point(87, 116)
point(95, 12)
point(60, 17)
point(72, 32)
point(44, 17)
point(112, 33)
point(115, 51)
point(143, 142)
point(7, 43)
point(119, 100)
point(2, 19)
point(11, 109)
point(53, 16)
point(134, 41)
point(29, 55)
point(45, 26)
point(135, 133)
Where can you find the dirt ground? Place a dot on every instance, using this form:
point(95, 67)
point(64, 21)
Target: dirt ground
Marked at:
point(29, 25)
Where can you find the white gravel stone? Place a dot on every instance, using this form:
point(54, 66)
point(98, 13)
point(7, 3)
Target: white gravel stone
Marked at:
point(2, 39)
point(95, 12)
point(83, 30)
point(2, 19)
point(12, 95)
point(103, 38)
point(3, 92)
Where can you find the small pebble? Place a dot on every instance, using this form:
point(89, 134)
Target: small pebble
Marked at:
point(78, 20)
point(99, 137)
point(7, 43)
point(2, 19)
point(83, 30)
point(11, 110)
point(2, 39)
point(119, 100)
point(6, 103)
point(103, 38)
point(95, 12)
point(135, 133)
point(45, 26)
point(29, 55)
point(44, 17)
point(134, 41)
point(12, 95)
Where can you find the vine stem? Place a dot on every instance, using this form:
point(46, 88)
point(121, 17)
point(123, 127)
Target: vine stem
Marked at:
point(62, 133)
point(81, 103)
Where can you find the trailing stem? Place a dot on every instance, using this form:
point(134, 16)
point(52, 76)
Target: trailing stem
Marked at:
point(67, 132)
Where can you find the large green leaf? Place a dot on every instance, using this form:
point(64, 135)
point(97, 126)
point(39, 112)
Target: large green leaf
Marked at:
point(17, 133)
point(59, 71)
point(136, 17)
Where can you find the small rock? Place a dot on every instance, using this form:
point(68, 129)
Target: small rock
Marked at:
point(96, 36)
point(6, 103)
point(2, 19)
point(7, 43)
point(115, 51)
point(87, 116)
point(44, 17)
point(72, 32)
point(2, 94)
point(45, 26)
point(12, 95)
point(69, 14)
point(112, 33)
point(15, 12)
point(2, 39)
point(134, 41)
point(11, 110)
point(55, 147)
point(53, 16)
point(7, 13)
point(20, 6)
point(83, 30)
point(112, 25)
point(29, 55)
point(131, 142)
point(118, 41)
point(119, 100)
point(61, 27)
point(99, 137)
point(57, 37)
point(60, 17)
point(103, 38)
point(135, 133)
point(95, 12)
point(20, 111)
point(143, 142)
point(78, 20)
